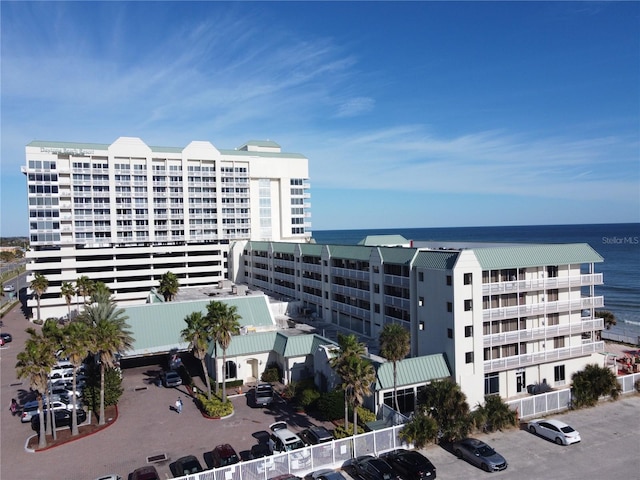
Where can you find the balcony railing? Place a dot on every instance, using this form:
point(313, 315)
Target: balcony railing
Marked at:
point(551, 331)
point(542, 308)
point(541, 284)
point(527, 359)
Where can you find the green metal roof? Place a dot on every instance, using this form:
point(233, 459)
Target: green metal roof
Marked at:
point(286, 345)
point(158, 325)
point(311, 249)
point(397, 255)
point(435, 260)
point(262, 143)
point(514, 256)
point(382, 240)
point(412, 371)
point(351, 252)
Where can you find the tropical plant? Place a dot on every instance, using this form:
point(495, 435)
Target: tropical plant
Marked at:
point(421, 430)
point(198, 336)
point(35, 362)
point(348, 347)
point(359, 375)
point(447, 404)
point(592, 383)
point(67, 292)
point(395, 343)
point(112, 387)
point(109, 337)
point(331, 405)
point(214, 407)
point(39, 285)
point(83, 287)
point(608, 317)
point(227, 326)
point(100, 293)
point(215, 311)
point(76, 342)
point(494, 415)
point(169, 286)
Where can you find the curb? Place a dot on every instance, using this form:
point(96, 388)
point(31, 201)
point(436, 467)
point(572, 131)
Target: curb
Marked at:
point(72, 439)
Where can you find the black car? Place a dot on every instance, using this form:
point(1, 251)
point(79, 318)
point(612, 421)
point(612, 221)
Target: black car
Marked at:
point(369, 467)
point(315, 435)
point(6, 337)
point(186, 466)
point(62, 418)
point(410, 464)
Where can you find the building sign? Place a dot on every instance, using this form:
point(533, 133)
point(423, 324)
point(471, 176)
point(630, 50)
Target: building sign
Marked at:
point(70, 151)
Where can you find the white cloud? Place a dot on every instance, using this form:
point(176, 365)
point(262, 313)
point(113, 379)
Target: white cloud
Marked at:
point(355, 106)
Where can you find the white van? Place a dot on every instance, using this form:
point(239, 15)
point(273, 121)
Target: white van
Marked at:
point(284, 440)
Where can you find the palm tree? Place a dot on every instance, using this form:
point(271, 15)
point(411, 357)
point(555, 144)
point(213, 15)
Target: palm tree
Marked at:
point(169, 286)
point(75, 346)
point(228, 325)
point(493, 415)
point(360, 374)
point(83, 286)
point(608, 317)
point(100, 293)
point(109, 336)
point(39, 285)
point(395, 342)
point(67, 292)
point(197, 335)
point(447, 404)
point(348, 347)
point(215, 312)
point(35, 363)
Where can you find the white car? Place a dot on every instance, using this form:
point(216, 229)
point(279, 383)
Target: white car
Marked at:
point(554, 430)
point(9, 288)
point(31, 408)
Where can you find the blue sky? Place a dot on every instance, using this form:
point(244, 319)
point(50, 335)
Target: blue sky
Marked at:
point(412, 114)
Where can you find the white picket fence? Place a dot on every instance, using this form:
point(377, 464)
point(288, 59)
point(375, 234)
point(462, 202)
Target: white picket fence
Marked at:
point(303, 461)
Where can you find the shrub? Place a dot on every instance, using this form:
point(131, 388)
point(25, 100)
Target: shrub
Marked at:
point(308, 397)
point(271, 374)
point(637, 385)
point(592, 383)
point(364, 416)
point(331, 405)
point(112, 388)
point(214, 407)
point(340, 432)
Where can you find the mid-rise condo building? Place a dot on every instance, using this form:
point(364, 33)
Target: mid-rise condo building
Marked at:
point(507, 317)
point(126, 213)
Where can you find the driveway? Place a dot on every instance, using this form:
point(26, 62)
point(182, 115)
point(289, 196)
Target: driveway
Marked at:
point(146, 426)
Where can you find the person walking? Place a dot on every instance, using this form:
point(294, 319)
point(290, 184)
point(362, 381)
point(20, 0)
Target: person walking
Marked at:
point(14, 406)
point(179, 405)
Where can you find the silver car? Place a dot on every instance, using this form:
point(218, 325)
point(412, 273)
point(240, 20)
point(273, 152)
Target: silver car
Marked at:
point(479, 454)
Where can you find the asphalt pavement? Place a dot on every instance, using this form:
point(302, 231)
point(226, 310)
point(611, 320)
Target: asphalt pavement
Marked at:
point(147, 426)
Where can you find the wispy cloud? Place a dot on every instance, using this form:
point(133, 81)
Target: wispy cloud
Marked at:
point(355, 106)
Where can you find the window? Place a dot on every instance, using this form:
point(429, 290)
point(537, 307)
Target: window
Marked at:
point(468, 277)
point(468, 305)
point(558, 373)
point(468, 357)
point(421, 276)
point(376, 307)
point(491, 383)
point(558, 342)
point(449, 280)
point(468, 331)
point(449, 307)
point(420, 301)
point(450, 332)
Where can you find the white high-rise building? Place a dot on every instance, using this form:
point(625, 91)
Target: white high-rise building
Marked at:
point(126, 213)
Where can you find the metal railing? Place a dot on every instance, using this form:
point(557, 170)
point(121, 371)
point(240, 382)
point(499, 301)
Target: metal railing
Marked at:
point(305, 460)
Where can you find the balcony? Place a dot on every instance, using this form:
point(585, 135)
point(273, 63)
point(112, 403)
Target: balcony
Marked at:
point(542, 308)
point(541, 284)
point(528, 359)
point(518, 336)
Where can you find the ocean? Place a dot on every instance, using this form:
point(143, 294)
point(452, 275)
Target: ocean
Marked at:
point(618, 244)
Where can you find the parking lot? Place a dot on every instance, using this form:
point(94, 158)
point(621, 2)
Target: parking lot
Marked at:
point(147, 427)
